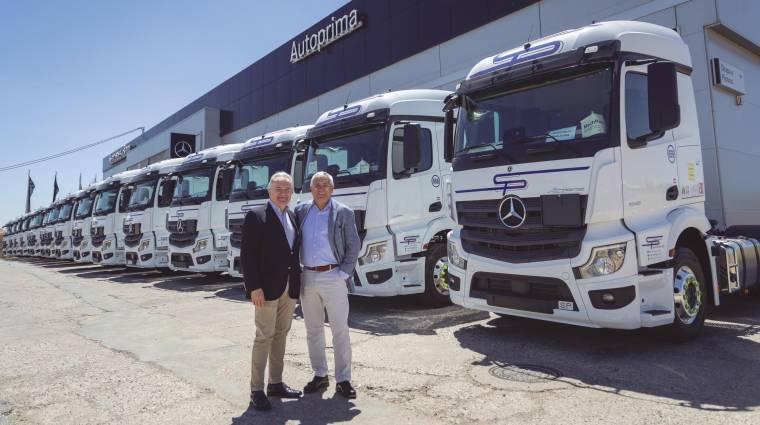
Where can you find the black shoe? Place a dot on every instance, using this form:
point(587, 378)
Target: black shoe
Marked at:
point(260, 401)
point(316, 384)
point(282, 390)
point(345, 389)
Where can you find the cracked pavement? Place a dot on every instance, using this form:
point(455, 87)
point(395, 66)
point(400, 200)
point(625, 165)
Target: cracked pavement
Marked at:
point(83, 344)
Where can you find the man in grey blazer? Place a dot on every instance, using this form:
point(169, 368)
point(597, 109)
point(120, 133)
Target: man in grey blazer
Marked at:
point(329, 249)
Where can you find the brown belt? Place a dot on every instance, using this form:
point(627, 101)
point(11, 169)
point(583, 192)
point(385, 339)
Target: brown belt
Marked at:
point(324, 268)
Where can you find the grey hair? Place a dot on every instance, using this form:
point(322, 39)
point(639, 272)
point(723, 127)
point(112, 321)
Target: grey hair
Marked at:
point(322, 175)
point(280, 175)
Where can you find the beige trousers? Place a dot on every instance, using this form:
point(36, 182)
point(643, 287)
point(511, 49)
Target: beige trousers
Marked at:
point(272, 326)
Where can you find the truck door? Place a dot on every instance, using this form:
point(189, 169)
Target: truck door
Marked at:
point(414, 195)
point(649, 170)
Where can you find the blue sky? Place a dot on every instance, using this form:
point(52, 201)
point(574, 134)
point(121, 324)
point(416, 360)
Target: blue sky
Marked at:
point(75, 72)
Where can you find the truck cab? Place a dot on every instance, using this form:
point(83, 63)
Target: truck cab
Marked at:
point(385, 154)
point(33, 245)
point(48, 231)
point(198, 238)
point(81, 225)
point(145, 226)
point(578, 186)
point(258, 159)
point(62, 246)
point(23, 232)
point(110, 207)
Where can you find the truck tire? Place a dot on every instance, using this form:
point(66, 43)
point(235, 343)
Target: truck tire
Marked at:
point(436, 266)
point(689, 296)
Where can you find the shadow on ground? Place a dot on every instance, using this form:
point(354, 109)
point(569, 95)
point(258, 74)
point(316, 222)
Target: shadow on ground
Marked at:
point(637, 364)
point(311, 409)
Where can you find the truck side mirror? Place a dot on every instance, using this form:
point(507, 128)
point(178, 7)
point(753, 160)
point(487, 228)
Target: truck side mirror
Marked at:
point(412, 149)
point(662, 92)
point(448, 136)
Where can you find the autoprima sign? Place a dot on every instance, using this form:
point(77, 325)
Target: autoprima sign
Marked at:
point(336, 29)
point(119, 155)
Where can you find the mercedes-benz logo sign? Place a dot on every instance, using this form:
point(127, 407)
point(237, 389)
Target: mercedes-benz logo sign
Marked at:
point(179, 225)
point(512, 212)
point(182, 149)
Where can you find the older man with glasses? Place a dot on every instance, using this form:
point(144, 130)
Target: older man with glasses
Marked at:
point(329, 249)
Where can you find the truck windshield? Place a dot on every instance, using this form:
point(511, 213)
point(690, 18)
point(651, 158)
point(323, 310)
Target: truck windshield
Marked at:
point(65, 213)
point(53, 215)
point(106, 202)
point(142, 195)
point(84, 208)
point(354, 159)
point(36, 221)
point(252, 176)
point(568, 117)
point(193, 187)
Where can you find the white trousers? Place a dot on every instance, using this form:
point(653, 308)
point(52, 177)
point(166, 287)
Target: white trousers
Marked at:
point(320, 291)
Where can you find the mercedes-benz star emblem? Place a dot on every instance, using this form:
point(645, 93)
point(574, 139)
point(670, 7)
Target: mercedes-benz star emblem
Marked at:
point(182, 149)
point(512, 212)
point(179, 226)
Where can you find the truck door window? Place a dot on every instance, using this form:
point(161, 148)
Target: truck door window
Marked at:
point(397, 151)
point(636, 105)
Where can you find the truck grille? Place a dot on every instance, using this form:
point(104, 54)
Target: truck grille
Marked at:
point(359, 216)
point(59, 237)
point(186, 236)
point(529, 293)
point(76, 237)
point(132, 234)
point(97, 234)
point(483, 233)
point(182, 260)
point(236, 229)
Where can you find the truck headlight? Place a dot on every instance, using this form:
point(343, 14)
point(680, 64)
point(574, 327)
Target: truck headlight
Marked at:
point(375, 253)
point(143, 245)
point(454, 257)
point(200, 245)
point(604, 260)
point(84, 244)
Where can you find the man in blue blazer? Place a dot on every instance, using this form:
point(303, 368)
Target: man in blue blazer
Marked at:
point(329, 250)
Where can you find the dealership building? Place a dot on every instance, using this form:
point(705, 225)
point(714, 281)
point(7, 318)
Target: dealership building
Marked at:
point(374, 46)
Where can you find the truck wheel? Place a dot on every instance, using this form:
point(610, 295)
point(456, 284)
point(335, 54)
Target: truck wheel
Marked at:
point(436, 267)
point(689, 296)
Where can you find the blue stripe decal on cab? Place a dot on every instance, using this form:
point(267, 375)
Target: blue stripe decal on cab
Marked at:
point(503, 186)
point(349, 194)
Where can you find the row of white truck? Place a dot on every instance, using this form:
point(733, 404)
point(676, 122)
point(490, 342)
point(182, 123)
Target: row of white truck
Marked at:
point(561, 181)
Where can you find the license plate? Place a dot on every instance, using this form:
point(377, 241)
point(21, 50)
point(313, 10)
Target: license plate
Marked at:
point(565, 305)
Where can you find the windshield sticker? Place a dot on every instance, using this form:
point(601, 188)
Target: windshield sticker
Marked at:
point(593, 124)
point(692, 171)
point(567, 133)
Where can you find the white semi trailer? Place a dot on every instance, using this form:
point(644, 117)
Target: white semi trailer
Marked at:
point(146, 236)
point(258, 159)
point(198, 238)
point(385, 154)
point(578, 186)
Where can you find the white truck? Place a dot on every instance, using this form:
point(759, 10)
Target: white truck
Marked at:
point(62, 245)
point(578, 186)
point(47, 233)
point(145, 234)
point(198, 237)
point(385, 154)
point(21, 237)
point(110, 207)
point(81, 226)
point(258, 159)
point(33, 245)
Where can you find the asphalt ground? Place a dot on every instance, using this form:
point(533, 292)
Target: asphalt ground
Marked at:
point(87, 344)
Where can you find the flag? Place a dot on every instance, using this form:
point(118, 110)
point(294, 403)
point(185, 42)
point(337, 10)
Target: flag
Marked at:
point(80, 181)
point(55, 186)
point(29, 190)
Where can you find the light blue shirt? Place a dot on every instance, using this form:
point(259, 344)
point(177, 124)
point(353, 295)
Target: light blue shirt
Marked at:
point(315, 248)
point(287, 225)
